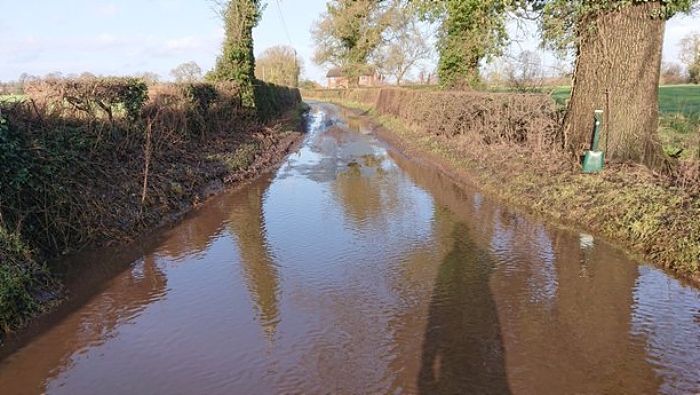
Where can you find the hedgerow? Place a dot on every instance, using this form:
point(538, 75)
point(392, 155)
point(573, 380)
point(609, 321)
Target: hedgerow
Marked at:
point(95, 161)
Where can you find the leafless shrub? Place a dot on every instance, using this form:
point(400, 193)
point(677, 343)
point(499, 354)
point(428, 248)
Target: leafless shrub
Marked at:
point(673, 74)
point(180, 111)
point(81, 179)
point(529, 120)
point(90, 98)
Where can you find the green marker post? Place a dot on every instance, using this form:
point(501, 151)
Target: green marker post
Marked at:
point(594, 160)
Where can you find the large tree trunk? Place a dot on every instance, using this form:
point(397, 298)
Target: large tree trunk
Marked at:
point(617, 71)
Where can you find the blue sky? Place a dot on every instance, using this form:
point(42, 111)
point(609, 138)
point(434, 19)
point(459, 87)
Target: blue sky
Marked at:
point(124, 37)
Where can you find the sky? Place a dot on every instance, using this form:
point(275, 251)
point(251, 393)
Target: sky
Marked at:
point(126, 37)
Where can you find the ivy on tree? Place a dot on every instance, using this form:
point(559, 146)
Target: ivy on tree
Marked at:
point(617, 47)
point(349, 33)
point(469, 31)
point(237, 62)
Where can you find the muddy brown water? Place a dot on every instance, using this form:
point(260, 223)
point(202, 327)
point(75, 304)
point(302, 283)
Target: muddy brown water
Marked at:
point(354, 270)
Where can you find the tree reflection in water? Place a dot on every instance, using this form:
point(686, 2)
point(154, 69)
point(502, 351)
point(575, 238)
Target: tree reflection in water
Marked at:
point(246, 223)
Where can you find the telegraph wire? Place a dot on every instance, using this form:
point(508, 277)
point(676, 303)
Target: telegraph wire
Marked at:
point(284, 24)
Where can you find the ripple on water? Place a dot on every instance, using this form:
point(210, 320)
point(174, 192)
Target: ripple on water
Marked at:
point(666, 314)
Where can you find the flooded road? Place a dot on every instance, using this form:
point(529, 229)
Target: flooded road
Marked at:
point(356, 271)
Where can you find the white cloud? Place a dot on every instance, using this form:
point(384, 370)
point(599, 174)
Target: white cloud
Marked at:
point(26, 45)
point(105, 40)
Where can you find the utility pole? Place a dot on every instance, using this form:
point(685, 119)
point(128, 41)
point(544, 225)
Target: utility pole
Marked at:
point(297, 69)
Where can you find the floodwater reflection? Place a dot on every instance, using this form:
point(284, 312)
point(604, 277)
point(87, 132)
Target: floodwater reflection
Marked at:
point(354, 270)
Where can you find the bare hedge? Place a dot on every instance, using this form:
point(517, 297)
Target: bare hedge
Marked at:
point(91, 98)
point(524, 119)
point(117, 98)
point(194, 109)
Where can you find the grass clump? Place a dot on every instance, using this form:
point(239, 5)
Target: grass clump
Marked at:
point(243, 157)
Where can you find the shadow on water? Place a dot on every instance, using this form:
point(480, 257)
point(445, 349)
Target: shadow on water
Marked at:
point(463, 351)
point(564, 301)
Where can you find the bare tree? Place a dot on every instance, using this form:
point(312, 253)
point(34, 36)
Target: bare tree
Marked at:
point(23, 79)
point(149, 77)
point(690, 55)
point(525, 73)
point(86, 75)
point(405, 47)
point(672, 73)
point(494, 72)
point(54, 75)
point(426, 76)
point(279, 65)
point(187, 72)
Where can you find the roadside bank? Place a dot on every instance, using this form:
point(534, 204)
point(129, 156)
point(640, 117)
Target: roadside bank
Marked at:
point(80, 175)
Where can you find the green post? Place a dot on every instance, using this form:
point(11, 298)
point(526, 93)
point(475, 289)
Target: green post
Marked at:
point(598, 115)
point(593, 160)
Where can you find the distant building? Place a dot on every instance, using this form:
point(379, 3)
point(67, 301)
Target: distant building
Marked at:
point(371, 77)
point(335, 79)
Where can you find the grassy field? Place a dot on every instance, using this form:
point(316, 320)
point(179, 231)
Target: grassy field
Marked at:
point(673, 99)
point(10, 98)
point(680, 119)
point(680, 99)
point(679, 107)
